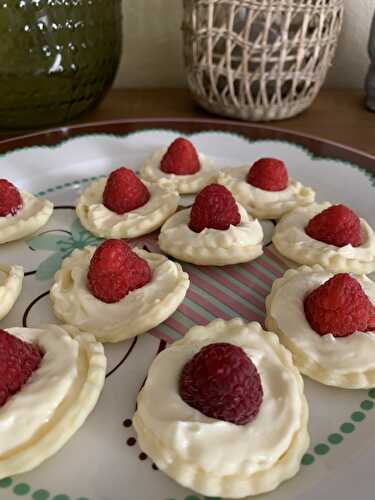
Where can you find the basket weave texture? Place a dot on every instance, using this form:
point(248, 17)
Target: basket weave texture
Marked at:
point(259, 59)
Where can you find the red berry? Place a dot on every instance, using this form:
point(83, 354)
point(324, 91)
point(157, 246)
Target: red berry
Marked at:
point(223, 383)
point(340, 307)
point(18, 360)
point(336, 225)
point(124, 191)
point(181, 158)
point(10, 198)
point(214, 207)
point(115, 270)
point(268, 174)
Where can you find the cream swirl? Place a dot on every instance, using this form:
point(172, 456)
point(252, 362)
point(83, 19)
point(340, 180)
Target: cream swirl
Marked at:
point(261, 203)
point(218, 447)
point(11, 278)
point(137, 312)
point(212, 246)
point(34, 214)
point(345, 355)
point(185, 184)
point(292, 241)
point(56, 400)
point(101, 221)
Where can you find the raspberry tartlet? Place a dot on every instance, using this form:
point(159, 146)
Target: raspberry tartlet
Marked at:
point(115, 292)
point(215, 231)
point(332, 236)
point(21, 213)
point(265, 189)
point(11, 278)
point(179, 166)
point(122, 206)
point(327, 321)
point(50, 381)
point(223, 411)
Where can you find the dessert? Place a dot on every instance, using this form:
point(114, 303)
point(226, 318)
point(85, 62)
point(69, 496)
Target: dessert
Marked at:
point(223, 411)
point(21, 213)
point(116, 292)
point(122, 206)
point(179, 166)
point(265, 190)
point(215, 231)
point(327, 321)
point(38, 417)
point(11, 278)
point(330, 235)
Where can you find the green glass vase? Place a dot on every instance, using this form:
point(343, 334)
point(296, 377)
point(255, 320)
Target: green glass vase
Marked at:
point(57, 58)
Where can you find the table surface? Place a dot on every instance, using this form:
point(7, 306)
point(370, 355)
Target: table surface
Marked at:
point(336, 115)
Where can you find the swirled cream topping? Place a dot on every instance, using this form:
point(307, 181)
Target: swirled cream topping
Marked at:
point(104, 222)
point(150, 171)
point(74, 302)
point(30, 410)
point(354, 353)
point(217, 446)
point(260, 201)
point(290, 231)
point(34, 213)
point(177, 231)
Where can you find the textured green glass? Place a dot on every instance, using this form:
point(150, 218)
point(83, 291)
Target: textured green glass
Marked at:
point(57, 58)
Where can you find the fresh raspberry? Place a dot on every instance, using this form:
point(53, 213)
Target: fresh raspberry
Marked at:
point(340, 307)
point(124, 191)
point(115, 270)
point(18, 360)
point(268, 174)
point(181, 158)
point(223, 383)
point(336, 225)
point(10, 198)
point(214, 207)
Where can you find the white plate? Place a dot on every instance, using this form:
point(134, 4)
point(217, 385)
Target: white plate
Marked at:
point(103, 461)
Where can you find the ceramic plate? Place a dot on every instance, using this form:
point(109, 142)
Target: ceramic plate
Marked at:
point(103, 460)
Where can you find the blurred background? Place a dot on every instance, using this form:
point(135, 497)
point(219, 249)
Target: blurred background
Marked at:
point(150, 35)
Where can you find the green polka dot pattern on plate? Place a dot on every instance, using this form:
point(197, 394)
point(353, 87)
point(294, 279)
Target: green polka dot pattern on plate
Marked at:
point(192, 497)
point(6, 482)
point(321, 449)
point(347, 428)
point(61, 497)
point(367, 405)
point(40, 495)
point(335, 438)
point(308, 459)
point(21, 489)
point(358, 416)
point(371, 393)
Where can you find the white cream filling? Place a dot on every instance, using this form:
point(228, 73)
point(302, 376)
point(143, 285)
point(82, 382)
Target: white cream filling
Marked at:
point(264, 201)
point(25, 413)
point(74, 302)
point(99, 219)
point(354, 353)
point(34, 213)
point(220, 447)
point(176, 231)
point(290, 231)
point(150, 171)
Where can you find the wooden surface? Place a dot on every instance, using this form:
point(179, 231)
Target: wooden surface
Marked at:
point(337, 115)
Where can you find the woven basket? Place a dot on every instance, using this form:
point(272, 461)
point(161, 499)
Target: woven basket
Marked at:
point(259, 59)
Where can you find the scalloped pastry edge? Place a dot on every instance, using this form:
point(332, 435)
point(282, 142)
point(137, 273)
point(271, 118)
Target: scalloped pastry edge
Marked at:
point(273, 210)
point(187, 184)
point(72, 419)
point(154, 317)
point(312, 369)
point(235, 486)
point(127, 228)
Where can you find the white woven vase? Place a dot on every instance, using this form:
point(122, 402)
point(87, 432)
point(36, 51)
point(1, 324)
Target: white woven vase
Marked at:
point(259, 59)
